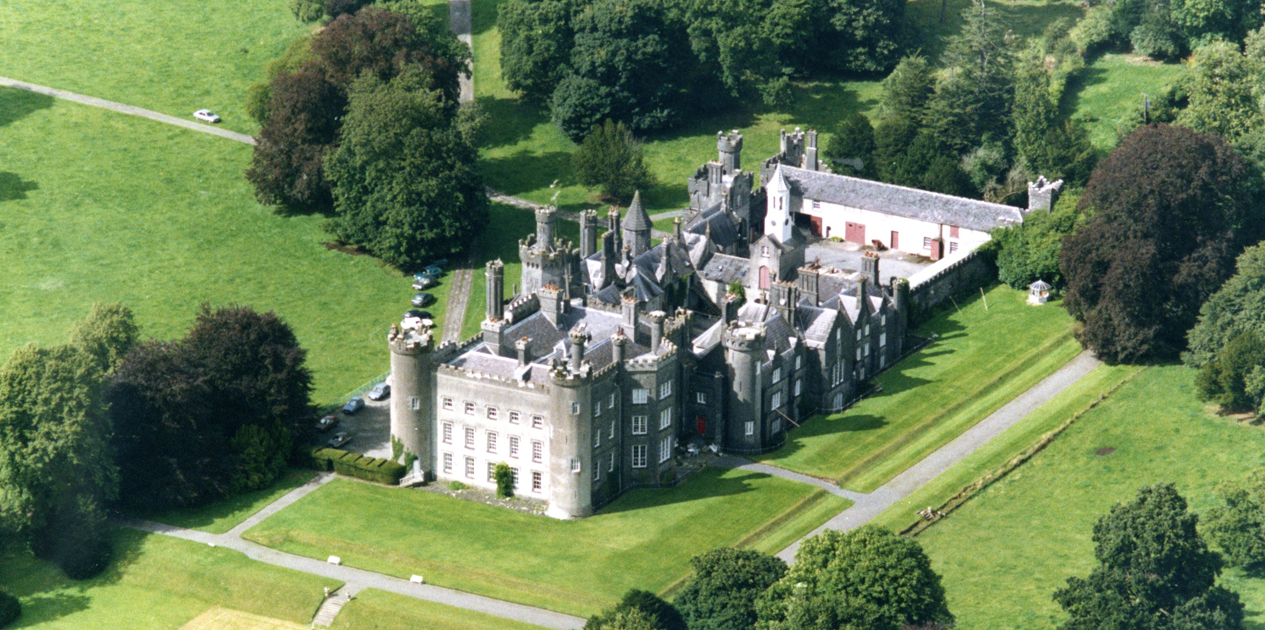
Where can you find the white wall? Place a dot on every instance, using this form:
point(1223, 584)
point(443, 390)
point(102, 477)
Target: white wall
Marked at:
point(485, 394)
point(879, 226)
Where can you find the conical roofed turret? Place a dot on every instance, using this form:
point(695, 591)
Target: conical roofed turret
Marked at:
point(637, 226)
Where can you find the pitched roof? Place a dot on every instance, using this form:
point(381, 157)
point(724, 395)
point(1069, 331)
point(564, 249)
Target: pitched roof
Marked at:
point(900, 201)
point(636, 220)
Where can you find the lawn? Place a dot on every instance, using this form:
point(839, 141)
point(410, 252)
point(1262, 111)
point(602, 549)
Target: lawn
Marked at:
point(1004, 553)
point(221, 516)
point(161, 219)
point(372, 609)
point(507, 225)
point(158, 583)
point(172, 56)
point(1107, 95)
point(643, 540)
point(983, 358)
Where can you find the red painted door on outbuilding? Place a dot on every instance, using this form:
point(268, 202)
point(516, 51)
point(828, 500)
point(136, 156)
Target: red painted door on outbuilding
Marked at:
point(854, 233)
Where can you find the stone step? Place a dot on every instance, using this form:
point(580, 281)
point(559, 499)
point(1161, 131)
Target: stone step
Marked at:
point(329, 608)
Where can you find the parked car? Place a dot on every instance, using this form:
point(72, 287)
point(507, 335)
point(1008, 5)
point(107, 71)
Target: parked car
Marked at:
point(412, 319)
point(354, 405)
point(206, 115)
point(339, 439)
point(421, 283)
point(327, 423)
point(434, 271)
point(422, 299)
point(381, 391)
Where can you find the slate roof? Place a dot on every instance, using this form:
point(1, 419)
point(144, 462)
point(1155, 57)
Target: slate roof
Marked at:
point(636, 220)
point(900, 201)
point(725, 269)
point(713, 220)
point(816, 322)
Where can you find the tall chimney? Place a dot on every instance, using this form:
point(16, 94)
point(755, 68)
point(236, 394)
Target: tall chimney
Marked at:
point(869, 268)
point(676, 230)
point(810, 152)
point(544, 228)
point(551, 303)
point(521, 346)
point(729, 307)
point(618, 344)
point(629, 309)
point(578, 339)
point(495, 273)
point(588, 233)
point(656, 329)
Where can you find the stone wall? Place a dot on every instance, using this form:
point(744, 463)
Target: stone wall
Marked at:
point(957, 273)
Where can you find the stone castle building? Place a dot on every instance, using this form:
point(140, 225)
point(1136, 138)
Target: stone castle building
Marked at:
point(617, 352)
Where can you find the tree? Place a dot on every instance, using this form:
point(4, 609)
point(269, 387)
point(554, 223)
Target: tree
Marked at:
point(972, 100)
point(287, 167)
point(217, 412)
point(727, 582)
point(611, 157)
point(623, 66)
point(106, 334)
point(734, 50)
point(866, 578)
point(848, 36)
point(1222, 85)
point(1236, 308)
point(1228, 379)
point(406, 181)
point(1051, 144)
point(907, 91)
point(297, 53)
point(1238, 525)
point(1154, 571)
point(335, 8)
point(631, 610)
point(852, 141)
point(536, 42)
point(10, 609)
point(1030, 251)
point(504, 481)
point(307, 10)
point(56, 464)
point(1170, 209)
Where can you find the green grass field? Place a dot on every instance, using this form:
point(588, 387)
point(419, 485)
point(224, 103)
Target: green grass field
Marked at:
point(222, 516)
point(643, 540)
point(161, 219)
point(172, 56)
point(158, 583)
point(982, 360)
point(372, 609)
point(1108, 94)
point(1004, 553)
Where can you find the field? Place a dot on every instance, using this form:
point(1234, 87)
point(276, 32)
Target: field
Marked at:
point(1004, 553)
point(372, 609)
point(982, 359)
point(159, 218)
point(158, 583)
point(644, 540)
point(1108, 94)
point(218, 518)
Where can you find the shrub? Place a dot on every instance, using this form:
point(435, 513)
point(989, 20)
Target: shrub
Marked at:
point(610, 157)
point(1228, 380)
point(1094, 31)
point(504, 481)
point(307, 10)
point(359, 466)
point(1238, 526)
point(457, 486)
point(10, 609)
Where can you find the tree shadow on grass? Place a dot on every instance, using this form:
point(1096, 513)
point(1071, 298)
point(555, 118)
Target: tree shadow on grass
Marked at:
point(1087, 77)
point(525, 171)
point(707, 483)
point(13, 188)
point(509, 120)
point(483, 15)
point(16, 104)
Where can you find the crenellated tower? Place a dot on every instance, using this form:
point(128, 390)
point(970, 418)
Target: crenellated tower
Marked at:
point(413, 394)
point(571, 447)
point(547, 260)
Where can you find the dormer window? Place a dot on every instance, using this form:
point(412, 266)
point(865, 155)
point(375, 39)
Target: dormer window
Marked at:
point(764, 251)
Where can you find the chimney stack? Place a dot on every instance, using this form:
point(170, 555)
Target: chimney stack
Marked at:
point(629, 310)
point(588, 233)
point(521, 346)
point(869, 268)
point(495, 274)
point(618, 343)
point(656, 330)
point(810, 152)
point(551, 303)
point(578, 338)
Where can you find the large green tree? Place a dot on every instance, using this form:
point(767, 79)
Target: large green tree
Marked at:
point(1170, 209)
point(1030, 251)
point(218, 412)
point(106, 334)
point(638, 610)
point(866, 578)
point(972, 101)
point(1051, 144)
point(57, 468)
point(536, 41)
point(406, 181)
point(1224, 87)
point(611, 158)
point(723, 591)
point(1237, 526)
point(1237, 307)
point(1154, 572)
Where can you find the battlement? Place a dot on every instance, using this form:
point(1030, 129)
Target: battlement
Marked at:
point(1043, 193)
point(410, 341)
point(485, 376)
point(520, 307)
point(744, 336)
point(652, 361)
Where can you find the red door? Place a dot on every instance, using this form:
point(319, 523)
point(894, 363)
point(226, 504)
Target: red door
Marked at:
point(816, 223)
point(854, 233)
point(895, 240)
point(764, 278)
point(702, 425)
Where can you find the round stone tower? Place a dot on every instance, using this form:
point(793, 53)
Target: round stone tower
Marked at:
point(744, 352)
point(413, 394)
point(571, 444)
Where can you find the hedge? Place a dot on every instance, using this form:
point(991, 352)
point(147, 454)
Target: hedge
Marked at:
point(359, 466)
point(10, 609)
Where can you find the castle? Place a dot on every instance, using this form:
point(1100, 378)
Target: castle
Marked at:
point(609, 358)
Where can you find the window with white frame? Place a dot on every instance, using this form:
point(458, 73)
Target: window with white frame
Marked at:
point(513, 446)
point(858, 334)
point(665, 418)
point(776, 400)
point(447, 403)
point(597, 474)
point(514, 417)
point(882, 340)
point(611, 466)
point(492, 413)
point(799, 382)
point(448, 463)
point(611, 434)
point(665, 389)
point(665, 449)
point(639, 425)
point(537, 422)
point(447, 435)
point(514, 474)
point(926, 242)
point(700, 398)
point(470, 437)
point(491, 441)
point(537, 481)
point(799, 361)
point(597, 409)
point(777, 374)
point(839, 335)
point(575, 464)
point(597, 439)
point(610, 401)
point(469, 468)
point(867, 349)
point(491, 472)
point(858, 354)
point(750, 428)
point(640, 396)
point(953, 246)
point(470, 408)
point(882, 320)
point(414, 403)
point(867, 329)
point(537, 451)
point(639, 456)
point(764, 250)
point(575, 408)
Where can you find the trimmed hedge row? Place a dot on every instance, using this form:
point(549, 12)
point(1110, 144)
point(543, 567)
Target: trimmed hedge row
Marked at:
point(359, 466)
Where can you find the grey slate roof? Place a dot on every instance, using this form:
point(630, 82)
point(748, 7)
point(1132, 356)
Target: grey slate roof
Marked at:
point(816, 322)
point(900, 201)
point(723, 227)
point(725, 269)
point(636, 220)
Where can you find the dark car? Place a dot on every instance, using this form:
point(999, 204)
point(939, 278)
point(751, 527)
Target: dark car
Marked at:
point(434, 271)
point(339, 439)
point(422, 299)
point(327, 423)
point(354, 405)
point(424, 282)
point(381, 391)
